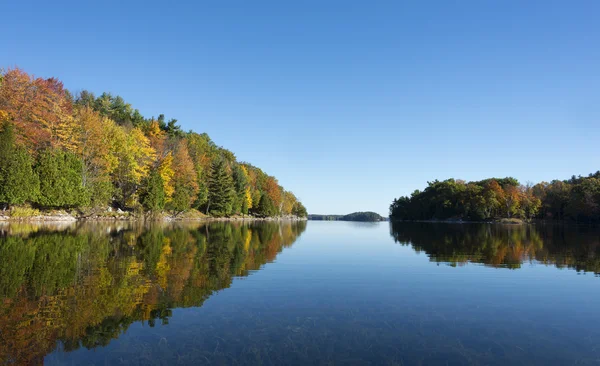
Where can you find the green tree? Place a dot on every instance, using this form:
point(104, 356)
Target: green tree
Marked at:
point(60, 180)
point(240, 180)
point(221, 192)
point(153, 193)
point(180, 201)
point(265, 206)
point(299, 209)
point(18, 181)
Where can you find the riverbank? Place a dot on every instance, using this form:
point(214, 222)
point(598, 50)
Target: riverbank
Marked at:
point(33, 215)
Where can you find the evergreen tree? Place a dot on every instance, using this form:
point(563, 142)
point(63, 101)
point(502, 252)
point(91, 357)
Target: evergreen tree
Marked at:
point(240, 181)
point(60, 180)
point(265, 206)
point(153, 195)
point(181, 200)
point(221, 192)
point(18, 181)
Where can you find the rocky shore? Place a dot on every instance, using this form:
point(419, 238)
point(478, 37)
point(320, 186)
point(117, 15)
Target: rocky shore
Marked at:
point(119, 215)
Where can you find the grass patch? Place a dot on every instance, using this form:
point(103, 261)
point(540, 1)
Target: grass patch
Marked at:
point(24, 212)
point(191, 214)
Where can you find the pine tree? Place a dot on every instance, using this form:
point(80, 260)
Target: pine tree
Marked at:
point(61, 184)
point(153, 195)
point(265, 206)
point(221, 192)
point(182, 198)
point(18, 181)
point(240, 181)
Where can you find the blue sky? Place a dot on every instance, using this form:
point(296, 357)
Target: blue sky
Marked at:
point(349, 104)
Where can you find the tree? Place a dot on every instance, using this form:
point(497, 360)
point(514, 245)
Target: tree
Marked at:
point(511, 201)
point(299, 210)
point(60, 180)
point(94, 135)
point(240, 180)
point(18, 181)
point(165, 169)
point(266, 208)
point(184, 178)
point(221, 192)
point(40, 108)
point(248, 203)
point(288, 202)
point(273, 189)
point(135, 156)
point(153, 194)
point(584, 200)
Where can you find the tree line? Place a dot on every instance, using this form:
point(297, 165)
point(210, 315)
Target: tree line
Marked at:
point(64, 150)
point(576, 199)
point(355, 216)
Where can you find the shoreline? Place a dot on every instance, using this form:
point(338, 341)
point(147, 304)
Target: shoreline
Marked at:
point(505, 221)
point(133, 218)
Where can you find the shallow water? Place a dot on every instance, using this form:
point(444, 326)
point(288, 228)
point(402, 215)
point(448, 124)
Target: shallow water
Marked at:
point(299, 293)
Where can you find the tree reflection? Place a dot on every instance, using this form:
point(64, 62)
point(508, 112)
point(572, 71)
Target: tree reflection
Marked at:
point(506, 246)
point(84, 285)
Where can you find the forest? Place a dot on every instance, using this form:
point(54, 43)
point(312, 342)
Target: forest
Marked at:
point(576, 199)
point(60, 150)
point(355, 216)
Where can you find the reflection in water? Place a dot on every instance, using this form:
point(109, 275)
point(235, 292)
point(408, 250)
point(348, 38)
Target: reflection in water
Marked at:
point(82, 285)
point(506, 246)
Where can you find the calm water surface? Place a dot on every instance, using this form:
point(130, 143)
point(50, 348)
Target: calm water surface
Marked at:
point(299, 293)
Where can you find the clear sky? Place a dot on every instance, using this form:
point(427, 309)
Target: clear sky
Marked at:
point(349, 104)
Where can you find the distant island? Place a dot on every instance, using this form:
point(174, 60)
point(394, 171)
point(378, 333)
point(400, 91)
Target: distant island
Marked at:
point(355, 216)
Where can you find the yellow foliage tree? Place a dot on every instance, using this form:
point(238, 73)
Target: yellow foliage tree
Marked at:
point(248, 198)
point(165, 169)
point(135, 156)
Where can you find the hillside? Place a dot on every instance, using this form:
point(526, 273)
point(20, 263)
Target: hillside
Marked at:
point(60, 150)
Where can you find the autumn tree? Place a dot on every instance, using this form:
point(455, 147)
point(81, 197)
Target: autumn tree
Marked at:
point(288, 202)
point(40, 108)
point(299, 209)
point(184, 178)
point(273, 190)
point(135, 156)
point(94, 136)
point(512, 201)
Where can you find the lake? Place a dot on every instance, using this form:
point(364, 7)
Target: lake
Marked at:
point(299, 293)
